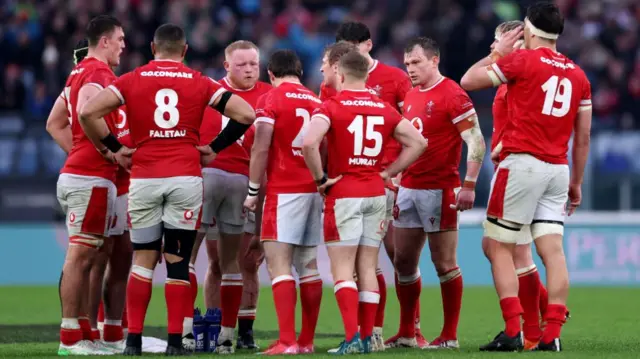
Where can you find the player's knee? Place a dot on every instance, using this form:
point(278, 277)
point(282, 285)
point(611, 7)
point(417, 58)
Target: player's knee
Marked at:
point(501, 230)
point(178, 270)
point(522, 257)
point(405, 266)
point(179, 242)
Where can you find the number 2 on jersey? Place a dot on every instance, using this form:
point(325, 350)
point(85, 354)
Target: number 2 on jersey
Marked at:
point(166, 102)
point(301, 112)
point(360, 134)
point(556, 90)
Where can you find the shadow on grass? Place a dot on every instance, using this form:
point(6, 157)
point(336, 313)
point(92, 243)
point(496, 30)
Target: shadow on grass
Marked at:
point(51, 333)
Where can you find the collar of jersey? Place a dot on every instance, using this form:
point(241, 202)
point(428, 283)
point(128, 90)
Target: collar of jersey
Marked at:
point(432, 86)
point(373, 67)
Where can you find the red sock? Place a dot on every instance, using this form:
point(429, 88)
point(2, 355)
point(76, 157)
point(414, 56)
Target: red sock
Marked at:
point(70, 336)
point(555, 317)
point(138, 297)
point(112, 332)
point(367, 311)
point(310, 299)
point(382, 287)
point(177, 295)
point(285, 297)
point(193, 280)
point(230, 298)
point(417, 319)
point(347, 296)
point(409, 288)
point(529, 294)
point(544, 298)
point(125, 322)
point(85, 326)
point(511, 313)
point(95, 334)
point(101, 312)
point(451, 291)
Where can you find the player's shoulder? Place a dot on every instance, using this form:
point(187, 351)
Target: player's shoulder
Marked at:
point(388, 69)
point(262, 87)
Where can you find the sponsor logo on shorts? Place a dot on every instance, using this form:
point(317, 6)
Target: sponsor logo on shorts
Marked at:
point(382, 228)
point(188, 215)
point(432, 220)
point(72, 217)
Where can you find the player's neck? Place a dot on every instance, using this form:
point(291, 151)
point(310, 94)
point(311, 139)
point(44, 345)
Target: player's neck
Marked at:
point(97, 55)
point(236, 86)
point(370, 60)
point(432, 81)
point(354, 86)
point(290, 79)
point(163, 57)
point(535, 44)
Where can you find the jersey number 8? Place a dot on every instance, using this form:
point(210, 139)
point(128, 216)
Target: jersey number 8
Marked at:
point(166, 102)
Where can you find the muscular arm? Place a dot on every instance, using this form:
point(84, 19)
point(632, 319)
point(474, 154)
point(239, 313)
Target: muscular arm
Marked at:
point(472, 136)
point(260, 152)
point(581, 142)
point(92, 109)
point(237, 109)
point(479, 76)
point(413, 144)
point(58, 125)
point(318, 127)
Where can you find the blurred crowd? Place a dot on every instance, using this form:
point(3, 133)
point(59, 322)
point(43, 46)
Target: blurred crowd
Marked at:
point(36, 38)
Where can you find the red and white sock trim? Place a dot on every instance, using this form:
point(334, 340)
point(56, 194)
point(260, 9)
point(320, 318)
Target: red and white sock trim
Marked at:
point(232, 279)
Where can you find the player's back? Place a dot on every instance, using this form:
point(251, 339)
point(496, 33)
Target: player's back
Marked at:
point(546, 90)
point(235, 158)
point(361, 126)
point(288, 107)
point(83, 158)
point(166, 102)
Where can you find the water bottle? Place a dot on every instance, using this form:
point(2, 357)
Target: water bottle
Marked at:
point(200, 331)
point(212, 319)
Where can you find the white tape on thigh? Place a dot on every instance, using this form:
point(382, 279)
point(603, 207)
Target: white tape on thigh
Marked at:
point(542, 229)
point(499, 233)
point(302, 257)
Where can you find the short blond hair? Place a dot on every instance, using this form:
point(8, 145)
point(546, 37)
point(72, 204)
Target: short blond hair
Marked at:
point(355, 65)
point(240, 45)
point(339, 49)
point(508, 26)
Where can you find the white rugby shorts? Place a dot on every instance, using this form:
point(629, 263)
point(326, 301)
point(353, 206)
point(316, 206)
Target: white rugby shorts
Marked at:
point(293, 218)
point(174, 201)
point(223, 206)
point(120, 219)
point(88, 203)
point(428, 209)
point(525, 189)
point(355, 221)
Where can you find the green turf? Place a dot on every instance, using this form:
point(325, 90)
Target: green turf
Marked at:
point(604, 323)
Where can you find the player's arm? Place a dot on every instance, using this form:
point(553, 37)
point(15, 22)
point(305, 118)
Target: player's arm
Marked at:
point(581, 142)
point(92, 112)
point(241, 116)
point(470, 132)
point(259, 154)
point(413, 144)
point(318, 128)
point(58, 125)
point(489, 71)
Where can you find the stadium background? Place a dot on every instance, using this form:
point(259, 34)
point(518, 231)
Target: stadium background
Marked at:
point(36, 38)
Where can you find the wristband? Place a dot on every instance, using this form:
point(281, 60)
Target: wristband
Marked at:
point(111, 142)
point(322, 180)
point(469, 184)
point(254, 189)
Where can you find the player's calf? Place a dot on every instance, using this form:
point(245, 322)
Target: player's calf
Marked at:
point(369, 295)
point(230, 287)
point(213, 276)
point(279, 260)
point(250, 256)
point(306, 265)
point(549, 246)
point(528, 288)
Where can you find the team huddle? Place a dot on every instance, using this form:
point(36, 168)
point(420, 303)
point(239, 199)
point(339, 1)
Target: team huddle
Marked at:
point(270, 172)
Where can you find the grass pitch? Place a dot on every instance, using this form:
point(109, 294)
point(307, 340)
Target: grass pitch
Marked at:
point(605, 323)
